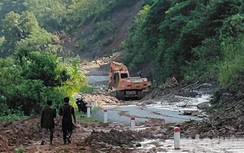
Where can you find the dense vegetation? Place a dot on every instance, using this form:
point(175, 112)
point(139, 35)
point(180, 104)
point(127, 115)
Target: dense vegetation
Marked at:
point(66, 18)
point(31, 71)
point(189, 39)
point(34, 65)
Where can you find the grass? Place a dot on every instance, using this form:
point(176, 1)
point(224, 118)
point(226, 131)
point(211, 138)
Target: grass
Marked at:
point(12, 117)
point(19, 150)
point(82, 117)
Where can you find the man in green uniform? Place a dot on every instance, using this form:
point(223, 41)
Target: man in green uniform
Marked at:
point(47, 121)
point(67, 111)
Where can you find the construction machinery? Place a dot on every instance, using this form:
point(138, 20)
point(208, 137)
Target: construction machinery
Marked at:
point(123, 84)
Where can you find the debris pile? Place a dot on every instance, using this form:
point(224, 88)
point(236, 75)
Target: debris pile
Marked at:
point(113, 137)
point(18, 133)
point(99, 99)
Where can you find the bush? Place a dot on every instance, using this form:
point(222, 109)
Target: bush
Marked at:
point(233, 65)
point(25, 89)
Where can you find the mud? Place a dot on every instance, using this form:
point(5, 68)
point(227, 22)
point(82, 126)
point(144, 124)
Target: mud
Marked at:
point(86, 138)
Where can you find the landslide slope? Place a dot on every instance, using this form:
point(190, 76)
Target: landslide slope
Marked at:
point(96, 38)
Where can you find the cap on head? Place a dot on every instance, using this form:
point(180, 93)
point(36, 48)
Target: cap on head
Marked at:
point(66, 99)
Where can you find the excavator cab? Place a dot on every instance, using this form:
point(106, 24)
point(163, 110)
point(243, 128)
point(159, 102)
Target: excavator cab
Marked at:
point(117, 77)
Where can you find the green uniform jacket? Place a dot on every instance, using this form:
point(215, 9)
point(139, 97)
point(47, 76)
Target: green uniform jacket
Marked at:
point(47, 117)
point(67, 111)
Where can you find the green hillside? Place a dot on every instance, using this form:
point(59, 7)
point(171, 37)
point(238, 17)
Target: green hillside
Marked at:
point(189, 39)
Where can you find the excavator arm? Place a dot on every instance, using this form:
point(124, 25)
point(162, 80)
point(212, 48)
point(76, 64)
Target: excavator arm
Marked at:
point(116, 66)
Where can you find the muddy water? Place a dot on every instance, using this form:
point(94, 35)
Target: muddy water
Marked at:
point(97, 79)
point(143, 114)
point(195, 146)
point(168, 111)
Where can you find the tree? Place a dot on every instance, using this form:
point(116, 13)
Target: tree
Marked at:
point(183, 37)
point(48, 13)
point(23, 31)
point(11, 31)
point(7, 6)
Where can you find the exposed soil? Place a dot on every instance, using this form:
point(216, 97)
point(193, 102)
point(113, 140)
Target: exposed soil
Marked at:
point(84, 42)
point(86, 138)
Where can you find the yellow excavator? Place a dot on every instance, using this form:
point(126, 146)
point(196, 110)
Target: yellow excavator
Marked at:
point(123, 84)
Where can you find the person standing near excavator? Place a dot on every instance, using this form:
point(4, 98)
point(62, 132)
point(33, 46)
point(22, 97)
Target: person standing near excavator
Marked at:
point(68, 112)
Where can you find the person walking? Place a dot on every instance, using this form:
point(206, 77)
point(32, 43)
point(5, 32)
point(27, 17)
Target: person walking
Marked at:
point(67, 112)
point(47, 121)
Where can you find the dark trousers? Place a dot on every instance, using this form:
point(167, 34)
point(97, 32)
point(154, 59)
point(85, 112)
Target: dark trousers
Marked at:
point(67, 132)
point(44, 131)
